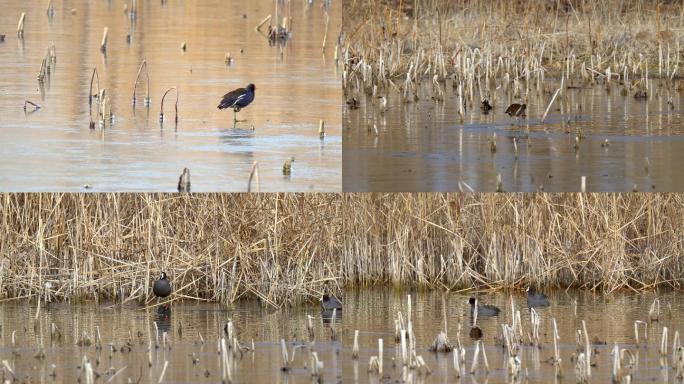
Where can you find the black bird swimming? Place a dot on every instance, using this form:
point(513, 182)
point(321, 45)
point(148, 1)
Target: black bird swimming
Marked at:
point(162, 287)
point(330, 302)
point(486, 107)
point(535, 299)
point(516, 109)
point(238, 99)
point(483, 310)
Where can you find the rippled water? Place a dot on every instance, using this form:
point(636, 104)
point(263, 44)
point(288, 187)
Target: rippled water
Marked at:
point(427, 146)
point(609, 319)
point(53, 149)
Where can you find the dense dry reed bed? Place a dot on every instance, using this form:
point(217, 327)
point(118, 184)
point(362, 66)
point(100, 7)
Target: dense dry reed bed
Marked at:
point(285, 248)
point(401, 41)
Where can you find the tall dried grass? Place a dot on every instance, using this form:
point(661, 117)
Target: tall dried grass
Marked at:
point(389, 40)
point(283, 248)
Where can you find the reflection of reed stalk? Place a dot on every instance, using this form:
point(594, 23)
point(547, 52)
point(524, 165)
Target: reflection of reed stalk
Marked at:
point(135, 85)
point(161, 113)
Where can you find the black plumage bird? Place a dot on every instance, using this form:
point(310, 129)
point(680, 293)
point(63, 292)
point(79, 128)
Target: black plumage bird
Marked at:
point(330, 302)
point(238, 99)
point(162, 287)
point(535, 299)
point(483, 310)
point(485, 107)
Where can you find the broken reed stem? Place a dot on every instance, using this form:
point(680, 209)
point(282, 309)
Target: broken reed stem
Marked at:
point(161, 113)
point(321, 129)
point(283, 350)
point(309, 327)
point(254, 173)
point(587, 347)
point(163, 372)
point(143, 65)
point(663, 343)
point(105, 34)
point(266, 19)
point(325, 35)
point(29, 102)
point(548, 107)
point(92, 79)
point(355, 348)
point(20, 25)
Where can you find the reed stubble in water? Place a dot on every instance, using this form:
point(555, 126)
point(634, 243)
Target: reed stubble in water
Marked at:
point(227, 246)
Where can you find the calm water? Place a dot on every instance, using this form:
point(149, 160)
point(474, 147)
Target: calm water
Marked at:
point(609, 319)
point(426, 146)
point(54, 149)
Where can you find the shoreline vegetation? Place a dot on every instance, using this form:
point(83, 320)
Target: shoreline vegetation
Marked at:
point(393, 44)
point(286, 248)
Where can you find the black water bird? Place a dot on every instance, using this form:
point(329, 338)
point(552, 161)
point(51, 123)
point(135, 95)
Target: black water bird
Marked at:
point(162, 287)
point(483, 310)
point(328, 303)
point(486, 107)
point(238, 99)
point(535, 299)
point(516, 109)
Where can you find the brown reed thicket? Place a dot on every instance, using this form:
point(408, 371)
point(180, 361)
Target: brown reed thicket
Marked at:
point(217, 247)
point(284, 248)
point(389, 40)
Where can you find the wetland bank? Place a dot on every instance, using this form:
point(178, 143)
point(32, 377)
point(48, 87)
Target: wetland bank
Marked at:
point(248, 271)
point(601, 81)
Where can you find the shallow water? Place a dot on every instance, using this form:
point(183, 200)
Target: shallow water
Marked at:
point(372, 312)
point(53, 149)
point(426, 146)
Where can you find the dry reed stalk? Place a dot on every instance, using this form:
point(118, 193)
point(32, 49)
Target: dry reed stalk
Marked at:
point(163, 372)
point(105, 35)
point(587, 349)
point(29, 102)
point(283, 350)
point(147, 99)
point(663, 342)
point(133, 10)
point(122, 240)
point(262, 22)
point(310, 328)
point(355, 348)
point(20, 25)
point(321, 129)
point(254, 173)
point(161, 111)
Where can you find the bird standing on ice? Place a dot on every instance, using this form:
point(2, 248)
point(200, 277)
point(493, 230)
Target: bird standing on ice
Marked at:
point(238, 99)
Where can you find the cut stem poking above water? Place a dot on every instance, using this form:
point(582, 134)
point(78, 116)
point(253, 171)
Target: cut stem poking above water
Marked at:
point(147, 100)
point(161, 113)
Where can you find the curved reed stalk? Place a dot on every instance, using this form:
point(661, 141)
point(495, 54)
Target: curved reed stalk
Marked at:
point(135, 85)
point(161, 113)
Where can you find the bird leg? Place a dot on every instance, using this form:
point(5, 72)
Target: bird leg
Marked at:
point(235, 119)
